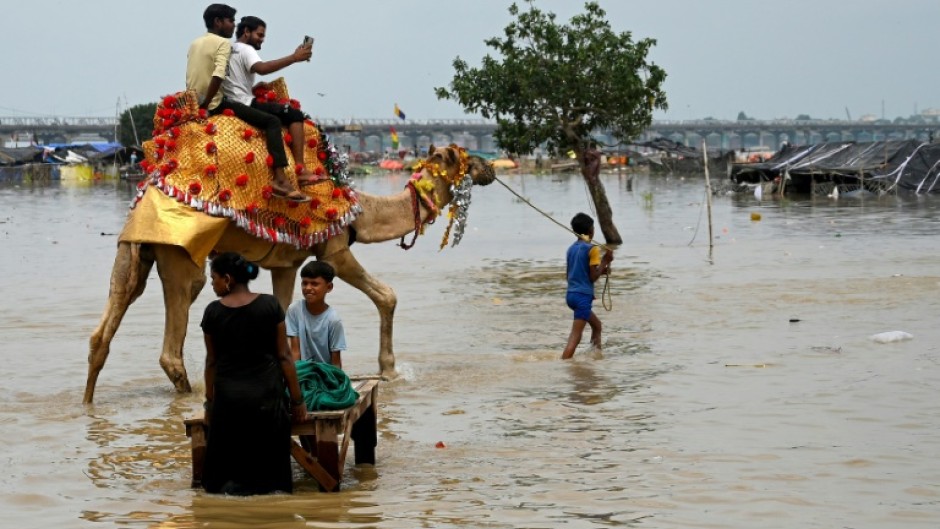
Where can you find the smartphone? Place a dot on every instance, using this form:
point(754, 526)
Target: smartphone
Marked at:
point(308, 43)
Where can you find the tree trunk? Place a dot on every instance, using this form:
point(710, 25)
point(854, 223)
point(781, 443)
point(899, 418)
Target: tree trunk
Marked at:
point(590, 162)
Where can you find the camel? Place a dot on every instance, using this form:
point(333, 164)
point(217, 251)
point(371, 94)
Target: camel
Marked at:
point(382, 218)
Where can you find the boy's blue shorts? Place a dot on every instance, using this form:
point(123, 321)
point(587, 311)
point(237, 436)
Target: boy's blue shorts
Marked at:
point(580, 304)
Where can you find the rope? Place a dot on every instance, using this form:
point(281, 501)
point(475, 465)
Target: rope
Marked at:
point(606, 298)
point(699, 222)
point(417, 212)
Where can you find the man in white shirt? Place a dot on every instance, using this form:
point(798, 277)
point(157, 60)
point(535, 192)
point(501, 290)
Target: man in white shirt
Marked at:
point(239, 84)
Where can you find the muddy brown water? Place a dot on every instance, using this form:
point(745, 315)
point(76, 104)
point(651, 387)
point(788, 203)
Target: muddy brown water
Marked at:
point(708, 407)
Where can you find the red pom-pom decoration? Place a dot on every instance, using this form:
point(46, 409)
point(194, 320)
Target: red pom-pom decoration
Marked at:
point(314, 204)
point(241, 180)
point(228, 112)
point(175, 132)
point(210, 128)
point(267, 192)
point(195, 188)
point(322, 156)
point(250, 157)
point(161, 142)
point(247, 134)
point(306, 222)
point(211, 148)
point(299, 168)
point(173, 163)
point(203, 113)
point(337, 192)
point(280, 222)
point(225, 195)
point(312, 143)
point(170, 145)
point(288, 138)
point(269, 161)
point(169, 101)
point(252, 208)
point(211, 170)
point(167, 122)
point(271, 95)
point(295, 104)
point(331, 213)
point(283, 101)
point(158, 154)
point(318, 170)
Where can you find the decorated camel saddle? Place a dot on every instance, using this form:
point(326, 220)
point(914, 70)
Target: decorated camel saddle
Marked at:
point(206, 171)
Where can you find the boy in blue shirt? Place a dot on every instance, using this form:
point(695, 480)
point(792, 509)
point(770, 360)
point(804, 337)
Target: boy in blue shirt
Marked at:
point(314, 329)
point(585, 265)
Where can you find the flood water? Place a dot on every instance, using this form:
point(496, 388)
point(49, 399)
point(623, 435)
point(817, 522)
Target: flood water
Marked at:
point(740, 393)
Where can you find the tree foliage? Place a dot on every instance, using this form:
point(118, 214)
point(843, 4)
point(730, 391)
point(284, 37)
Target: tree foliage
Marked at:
point(556, 84)
point(143, 121)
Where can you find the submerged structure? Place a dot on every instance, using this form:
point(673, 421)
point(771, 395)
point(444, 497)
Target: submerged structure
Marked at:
point(878, 167)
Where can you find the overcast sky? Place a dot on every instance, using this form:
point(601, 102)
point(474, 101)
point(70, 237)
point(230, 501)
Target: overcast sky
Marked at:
point(769, 59)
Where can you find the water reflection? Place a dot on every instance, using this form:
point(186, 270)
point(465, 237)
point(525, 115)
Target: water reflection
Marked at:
point(143, 447)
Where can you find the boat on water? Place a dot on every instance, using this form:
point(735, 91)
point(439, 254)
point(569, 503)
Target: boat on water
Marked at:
point(391, 165)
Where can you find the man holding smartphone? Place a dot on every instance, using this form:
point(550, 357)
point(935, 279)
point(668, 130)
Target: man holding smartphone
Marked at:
point(243, 65)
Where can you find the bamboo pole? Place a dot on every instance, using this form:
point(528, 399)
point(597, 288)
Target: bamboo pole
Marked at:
point(708, 202)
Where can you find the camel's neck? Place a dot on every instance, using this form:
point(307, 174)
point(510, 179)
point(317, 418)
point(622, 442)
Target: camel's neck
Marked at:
point(385, 218)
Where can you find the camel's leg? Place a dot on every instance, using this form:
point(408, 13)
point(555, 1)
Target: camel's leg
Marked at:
point(349, 270)
point(132, 265)
point(182, 281)
point(282, 281)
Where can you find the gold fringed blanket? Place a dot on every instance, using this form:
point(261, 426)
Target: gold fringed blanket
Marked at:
point(219, 166)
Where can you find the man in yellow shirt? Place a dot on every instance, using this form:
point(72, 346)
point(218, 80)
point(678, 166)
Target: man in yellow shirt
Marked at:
point(207, 62)
point(208, 56)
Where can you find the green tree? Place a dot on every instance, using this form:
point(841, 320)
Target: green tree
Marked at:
point(803, 117)
point(142, 116)
point(742, 116)
point(557, 84)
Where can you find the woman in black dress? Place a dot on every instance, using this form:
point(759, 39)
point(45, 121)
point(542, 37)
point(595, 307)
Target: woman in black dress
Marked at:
point(248, 367)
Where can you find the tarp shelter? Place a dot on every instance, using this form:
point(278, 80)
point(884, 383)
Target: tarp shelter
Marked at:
point(876, 166)
point(19, 155)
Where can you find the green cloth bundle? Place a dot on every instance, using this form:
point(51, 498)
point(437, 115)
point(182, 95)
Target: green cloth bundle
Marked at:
point(324, 386)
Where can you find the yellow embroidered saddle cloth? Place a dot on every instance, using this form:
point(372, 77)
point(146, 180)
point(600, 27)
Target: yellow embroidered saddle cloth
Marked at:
point(219, 166)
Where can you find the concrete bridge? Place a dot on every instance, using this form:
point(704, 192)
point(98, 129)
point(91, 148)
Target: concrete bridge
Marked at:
point(56, 129)
point(375, 134)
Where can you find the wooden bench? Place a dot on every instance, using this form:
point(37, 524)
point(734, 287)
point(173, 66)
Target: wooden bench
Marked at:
point(324, 438)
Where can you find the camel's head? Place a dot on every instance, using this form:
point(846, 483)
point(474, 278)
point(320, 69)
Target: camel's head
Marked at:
point(459, 171)
point(455, 162)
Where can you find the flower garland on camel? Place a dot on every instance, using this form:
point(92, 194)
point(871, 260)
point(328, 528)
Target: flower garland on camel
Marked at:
point(219, 165)
point(423, 191)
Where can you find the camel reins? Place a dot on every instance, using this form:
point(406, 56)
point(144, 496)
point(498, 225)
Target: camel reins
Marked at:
point(416, 209)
